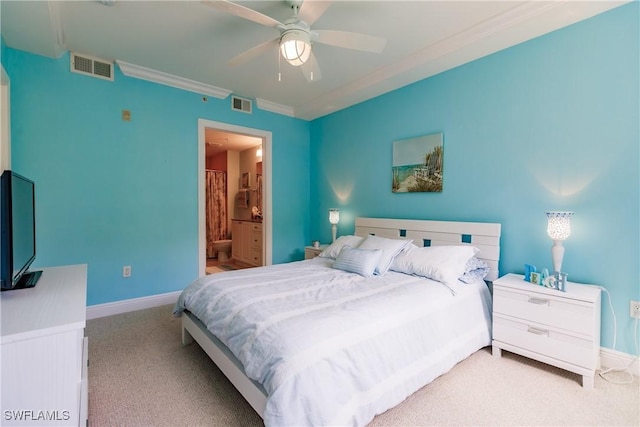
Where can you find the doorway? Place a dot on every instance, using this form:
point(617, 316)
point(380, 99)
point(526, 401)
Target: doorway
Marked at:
point(238, 138)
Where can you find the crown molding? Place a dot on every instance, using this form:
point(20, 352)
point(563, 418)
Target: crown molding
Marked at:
point(263, 104)
point(166, 79)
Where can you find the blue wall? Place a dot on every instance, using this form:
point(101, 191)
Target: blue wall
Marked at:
point(113, 193)
point(550, 124)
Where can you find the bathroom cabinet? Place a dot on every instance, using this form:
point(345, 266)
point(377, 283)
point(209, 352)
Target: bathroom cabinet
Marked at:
point(246, 246)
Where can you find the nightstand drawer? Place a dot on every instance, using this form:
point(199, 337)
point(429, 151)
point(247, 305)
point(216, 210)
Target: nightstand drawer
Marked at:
point(574, 316)
point(545, 341)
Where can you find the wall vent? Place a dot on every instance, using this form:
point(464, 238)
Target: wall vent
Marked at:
point(91, 66)
point(241, 104)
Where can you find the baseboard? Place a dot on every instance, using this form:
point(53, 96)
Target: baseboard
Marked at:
point(118, 307)
point(615, 359)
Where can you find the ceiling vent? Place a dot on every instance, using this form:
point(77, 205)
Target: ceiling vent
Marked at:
point(91, 66)
point(241, 104)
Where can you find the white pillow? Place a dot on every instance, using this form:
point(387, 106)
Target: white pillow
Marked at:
point(390, 248)
point(356, 260)
point(334, 249)
point(442, 263)
point(475, 270)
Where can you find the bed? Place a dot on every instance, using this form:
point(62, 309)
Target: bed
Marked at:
point(340, 338)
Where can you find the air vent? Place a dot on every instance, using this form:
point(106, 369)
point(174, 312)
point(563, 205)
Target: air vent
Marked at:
point(90, 66)
point(241, 104)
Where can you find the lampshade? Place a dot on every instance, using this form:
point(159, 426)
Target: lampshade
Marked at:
point(559, 225)
point(558, 228)
point(295, 46)
point(334, 216)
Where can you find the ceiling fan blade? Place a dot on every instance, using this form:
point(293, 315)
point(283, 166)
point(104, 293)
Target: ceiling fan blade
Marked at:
point(351, 40)
point(311, 69)
point(310, 11)
point(242, 12)
point(249, 54)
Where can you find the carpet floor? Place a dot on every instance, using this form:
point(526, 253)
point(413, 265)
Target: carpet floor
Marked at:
point(141, 375)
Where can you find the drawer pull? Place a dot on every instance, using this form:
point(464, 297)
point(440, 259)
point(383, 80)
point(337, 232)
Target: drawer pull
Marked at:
point(537, 331)
point(539, 301)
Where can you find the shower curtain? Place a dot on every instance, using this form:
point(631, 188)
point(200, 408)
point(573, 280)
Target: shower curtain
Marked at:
point(216, 208)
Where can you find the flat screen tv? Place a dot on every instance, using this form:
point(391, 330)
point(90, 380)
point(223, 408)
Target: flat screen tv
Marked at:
point(18, 231)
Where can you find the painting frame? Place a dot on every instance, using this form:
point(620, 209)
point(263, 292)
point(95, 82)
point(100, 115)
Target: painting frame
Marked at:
point(245, 181)
point(418, 164)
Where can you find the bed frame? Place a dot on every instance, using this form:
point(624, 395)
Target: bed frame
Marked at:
point(484, 236)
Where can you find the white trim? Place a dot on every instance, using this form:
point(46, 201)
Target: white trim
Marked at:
point(5, 120)
point(267, 221)
point(134, 304)
point(617, 360)
point(263, 104)
point(148, 74)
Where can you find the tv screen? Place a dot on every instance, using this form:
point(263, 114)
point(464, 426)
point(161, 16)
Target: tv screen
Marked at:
point(18, 231)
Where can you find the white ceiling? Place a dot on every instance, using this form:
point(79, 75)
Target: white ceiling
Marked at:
point(191, 40)
point(217, 141)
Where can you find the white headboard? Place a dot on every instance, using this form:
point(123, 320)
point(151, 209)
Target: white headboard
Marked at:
point(483, 235)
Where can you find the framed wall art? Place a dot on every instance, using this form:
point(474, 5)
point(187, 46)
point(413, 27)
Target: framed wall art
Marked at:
point(245, 180)
point(417, 164)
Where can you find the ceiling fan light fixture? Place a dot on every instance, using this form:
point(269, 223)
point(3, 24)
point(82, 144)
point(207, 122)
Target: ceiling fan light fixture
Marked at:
point(295, 46)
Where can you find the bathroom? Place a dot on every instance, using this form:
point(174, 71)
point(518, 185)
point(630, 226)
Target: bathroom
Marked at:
point(233, 208)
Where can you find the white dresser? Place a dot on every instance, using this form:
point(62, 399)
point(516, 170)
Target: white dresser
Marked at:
point(44, 350)
point(554, 327)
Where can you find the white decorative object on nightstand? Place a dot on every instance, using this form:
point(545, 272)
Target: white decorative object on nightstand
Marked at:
point(311, 252)
point(554, 327)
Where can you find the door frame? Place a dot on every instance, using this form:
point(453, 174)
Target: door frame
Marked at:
point(266, 136)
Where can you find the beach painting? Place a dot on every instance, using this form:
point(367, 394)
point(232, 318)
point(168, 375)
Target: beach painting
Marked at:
point(417, 164)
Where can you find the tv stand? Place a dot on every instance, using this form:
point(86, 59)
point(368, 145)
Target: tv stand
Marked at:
point(43, 350)
point(28, 280)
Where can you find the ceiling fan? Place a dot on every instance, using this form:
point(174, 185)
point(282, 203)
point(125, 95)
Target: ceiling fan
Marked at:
point(296, 37)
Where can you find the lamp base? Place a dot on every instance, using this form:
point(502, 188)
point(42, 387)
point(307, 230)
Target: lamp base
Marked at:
point(557, 254)
point(334, 230)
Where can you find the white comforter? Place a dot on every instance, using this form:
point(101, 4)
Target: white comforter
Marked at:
point(335, 348)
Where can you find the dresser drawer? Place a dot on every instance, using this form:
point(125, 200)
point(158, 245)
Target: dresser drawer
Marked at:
point(546, 341)
point(256, 240)
point(256, 256)
point(573, 316)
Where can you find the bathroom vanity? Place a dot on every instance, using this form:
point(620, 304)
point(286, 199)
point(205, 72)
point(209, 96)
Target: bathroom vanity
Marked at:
point(246, 246)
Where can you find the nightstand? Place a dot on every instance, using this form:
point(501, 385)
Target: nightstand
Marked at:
point(558, 328)
point(311, 252)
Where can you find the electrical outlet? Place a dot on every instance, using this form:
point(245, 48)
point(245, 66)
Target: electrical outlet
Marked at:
point(634, 309)
point(126, 271)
